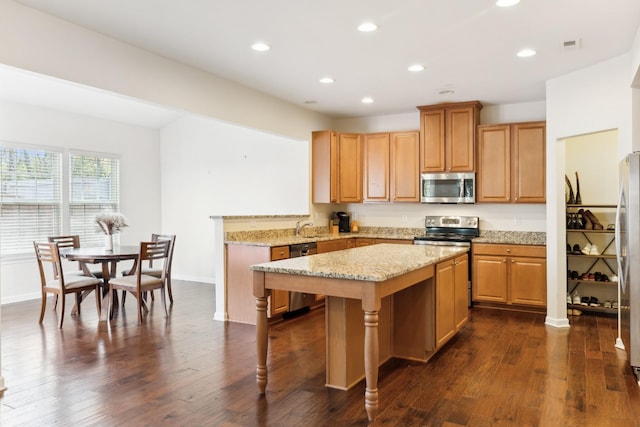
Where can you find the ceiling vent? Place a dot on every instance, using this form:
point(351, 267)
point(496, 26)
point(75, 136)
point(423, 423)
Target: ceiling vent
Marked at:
point(571, 44)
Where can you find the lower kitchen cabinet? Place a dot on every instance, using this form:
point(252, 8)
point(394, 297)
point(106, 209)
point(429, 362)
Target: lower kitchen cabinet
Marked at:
point(334, 245)
point(241, 303)
point(510, 274)
point(452, 298)
point(279, 300)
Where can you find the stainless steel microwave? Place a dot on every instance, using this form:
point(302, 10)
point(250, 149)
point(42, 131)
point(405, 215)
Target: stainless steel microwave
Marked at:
point(448, 187)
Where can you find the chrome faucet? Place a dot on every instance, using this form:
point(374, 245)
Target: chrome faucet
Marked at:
point(301, 226)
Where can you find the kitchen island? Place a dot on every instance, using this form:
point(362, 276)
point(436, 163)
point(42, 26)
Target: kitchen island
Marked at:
point(392, 284)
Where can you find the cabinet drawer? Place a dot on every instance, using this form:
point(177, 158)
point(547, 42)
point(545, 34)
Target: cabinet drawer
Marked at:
point(279, 252)
point(509, 250)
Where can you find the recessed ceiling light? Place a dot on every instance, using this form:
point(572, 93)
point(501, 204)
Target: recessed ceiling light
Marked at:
point(367, 100)
point(260, 47)
point(327, 80)
point(506, 3)
point(416, 68)
point(525, 53)
point(367, 27)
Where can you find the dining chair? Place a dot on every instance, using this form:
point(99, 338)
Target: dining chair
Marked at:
point(72, 241)
point(139, 282)
point(60, 284)
point(156, 270)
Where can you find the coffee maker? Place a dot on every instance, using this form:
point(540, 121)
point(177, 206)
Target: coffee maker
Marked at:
point(344, 222)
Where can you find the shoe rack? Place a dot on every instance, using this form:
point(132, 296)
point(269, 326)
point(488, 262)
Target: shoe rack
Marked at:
point(591, 259)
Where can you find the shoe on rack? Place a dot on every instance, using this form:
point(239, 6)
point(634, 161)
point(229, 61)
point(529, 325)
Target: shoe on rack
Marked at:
point(576, 298)
point(576, 312)
point(594, 220)
point(607, 304)
point(587, 249)
point(593, 302)
point(614, 305)
point(585, 301)
point(568, 248)
point(577, 250)
point(594, 250)
point(613, 278)
point(569, 299)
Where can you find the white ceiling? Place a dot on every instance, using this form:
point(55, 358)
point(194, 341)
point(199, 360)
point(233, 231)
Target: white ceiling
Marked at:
point(467, 46)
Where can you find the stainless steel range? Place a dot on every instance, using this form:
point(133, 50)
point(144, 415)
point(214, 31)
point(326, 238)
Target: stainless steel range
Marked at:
point(450, 231)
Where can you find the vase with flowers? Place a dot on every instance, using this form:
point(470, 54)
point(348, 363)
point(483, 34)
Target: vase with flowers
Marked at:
point(110, 223)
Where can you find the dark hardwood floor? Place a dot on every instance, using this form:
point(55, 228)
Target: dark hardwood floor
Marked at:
point(503, 369)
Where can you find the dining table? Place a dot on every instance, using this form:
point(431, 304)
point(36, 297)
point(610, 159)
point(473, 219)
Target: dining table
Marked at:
point(109, 258)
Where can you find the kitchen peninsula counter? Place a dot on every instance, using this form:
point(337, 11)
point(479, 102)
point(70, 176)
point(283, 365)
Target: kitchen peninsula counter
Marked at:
point(388, 288)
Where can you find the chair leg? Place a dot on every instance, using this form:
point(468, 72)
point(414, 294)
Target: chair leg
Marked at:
point(169, 290)
point(78, 301)
point(124, 297)
point(62, 302)
point(164, 302)
point(110, 302)
point(98, 301)
point(55, 301)
point(139, 298)
point(43, 306)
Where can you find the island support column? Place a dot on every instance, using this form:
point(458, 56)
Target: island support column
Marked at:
point(262, 341)
point(371, 356)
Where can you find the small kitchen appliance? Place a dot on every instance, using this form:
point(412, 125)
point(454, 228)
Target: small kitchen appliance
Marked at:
point(344, 222)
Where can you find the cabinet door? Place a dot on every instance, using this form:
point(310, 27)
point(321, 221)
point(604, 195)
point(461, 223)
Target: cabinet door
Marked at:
point(494, 164)
point(364, 241)
point(350, 168)
point(528, 166)
point(489, 278)
point(460, 139)
point(405, 167)
point(279, 299)
point(331, 245)
point(445, 302)
point(377, 154)
point(461, 308)
point(432, 141)
point(528, 281)
point(324, 169)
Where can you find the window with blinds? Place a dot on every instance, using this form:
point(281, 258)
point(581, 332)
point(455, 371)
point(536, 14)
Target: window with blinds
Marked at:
point(93, 189)
point(30, 197)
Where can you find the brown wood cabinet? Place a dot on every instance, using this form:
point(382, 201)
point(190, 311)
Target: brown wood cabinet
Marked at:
point(391, 167)
point(448, 136)
point(452, 298)
point(333, 245)
point(511, 163)
point(241, 303)
point(336, 167)
point(376, 166)
point(510, 274)
point(278, 302)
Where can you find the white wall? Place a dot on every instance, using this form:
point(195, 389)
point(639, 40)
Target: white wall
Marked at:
point(140, 174)
point(215, 168)
point(593, 99)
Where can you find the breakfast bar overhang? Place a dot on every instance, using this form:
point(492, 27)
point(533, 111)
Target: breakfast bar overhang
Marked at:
point(394, 286)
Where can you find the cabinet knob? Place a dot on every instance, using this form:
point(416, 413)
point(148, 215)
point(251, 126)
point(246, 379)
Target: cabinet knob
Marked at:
point(504, 260)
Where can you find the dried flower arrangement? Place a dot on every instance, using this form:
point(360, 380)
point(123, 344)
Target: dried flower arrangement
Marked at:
point(111, 222)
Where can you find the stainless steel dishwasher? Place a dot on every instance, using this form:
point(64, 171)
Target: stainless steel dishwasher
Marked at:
point(299, 302)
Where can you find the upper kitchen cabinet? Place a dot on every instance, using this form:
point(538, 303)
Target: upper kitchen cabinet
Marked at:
point(391, 167)
point(448, 136)
point(336, 167)
point(511, 163)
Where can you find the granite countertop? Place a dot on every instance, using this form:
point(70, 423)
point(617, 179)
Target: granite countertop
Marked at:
point(512, 237)
point(375, 263)
point(285, 237)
